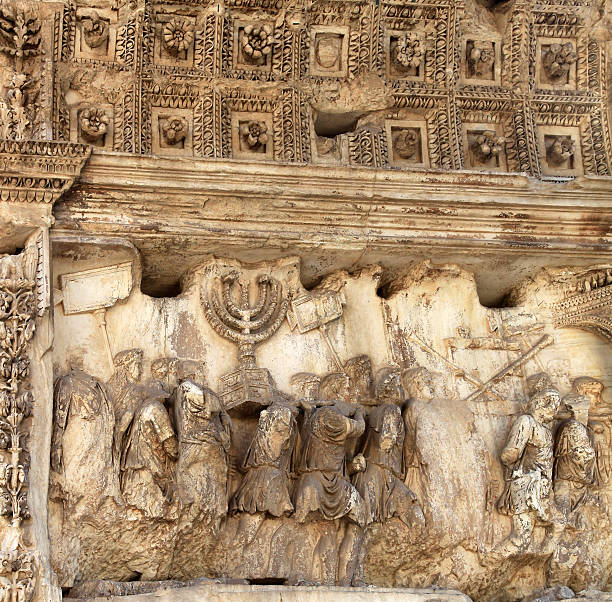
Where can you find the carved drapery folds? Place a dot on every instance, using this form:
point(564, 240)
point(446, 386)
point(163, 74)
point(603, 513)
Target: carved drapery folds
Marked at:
point(314, 476)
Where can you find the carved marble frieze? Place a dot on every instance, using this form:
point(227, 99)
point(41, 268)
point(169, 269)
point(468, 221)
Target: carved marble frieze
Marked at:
point(348, 434)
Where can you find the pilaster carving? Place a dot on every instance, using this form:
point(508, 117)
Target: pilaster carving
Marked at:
point(18, 309)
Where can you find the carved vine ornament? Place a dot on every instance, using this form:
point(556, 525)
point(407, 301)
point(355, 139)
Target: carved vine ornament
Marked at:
point(17, 313)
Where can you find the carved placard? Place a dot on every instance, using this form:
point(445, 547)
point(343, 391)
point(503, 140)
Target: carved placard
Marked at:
point(95, 289)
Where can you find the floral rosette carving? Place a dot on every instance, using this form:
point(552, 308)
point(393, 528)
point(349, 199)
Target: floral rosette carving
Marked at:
point(17, 324)
point(254, 133)
point(95, 30)
point(406, 144)
point(560, 151)
point(486, 146)
point(408, 52)
point(174, 130)
point(93, 124)
point(177, 36)
point(257, 42)
point(481, 57)
point(558, 59)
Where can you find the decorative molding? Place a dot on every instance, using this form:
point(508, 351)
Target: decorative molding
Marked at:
point(18, 309)
point(39, 171)
point(590, 310)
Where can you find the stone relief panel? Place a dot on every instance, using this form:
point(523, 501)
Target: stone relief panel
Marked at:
point(252, 415)
point(534, 67)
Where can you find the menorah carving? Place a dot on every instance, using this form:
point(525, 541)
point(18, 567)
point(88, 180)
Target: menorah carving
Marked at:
point(249, 388)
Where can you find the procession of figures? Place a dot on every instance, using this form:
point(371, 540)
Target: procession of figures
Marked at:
point(341, 447)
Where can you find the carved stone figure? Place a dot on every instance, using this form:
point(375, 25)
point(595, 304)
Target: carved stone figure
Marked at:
point(418, 383)
point(257, 41)
point(254, 134)
point(177, 36)
point(174, 130)
point(305, 386)
point(408, 52)
point(600, 425)
point(93, 124)
point(557, 60)
point(574, 456)
point(481, 56)
point(322, 485)
point(323, 488)
point(486, 146)
point(82, 442)
point(125, 393)
point(406, 144)
point(204, 435)
point(359, 371)
point(95, 29)
point(265, 486)
point(528, 458)
point(389, 387)
point(560, 151)
point(149, 450)
point(381, 485)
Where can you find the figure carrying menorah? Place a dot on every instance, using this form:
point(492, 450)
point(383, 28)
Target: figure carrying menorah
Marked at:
point(249, 388)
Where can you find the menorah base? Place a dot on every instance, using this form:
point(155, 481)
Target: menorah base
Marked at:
point(246, 391)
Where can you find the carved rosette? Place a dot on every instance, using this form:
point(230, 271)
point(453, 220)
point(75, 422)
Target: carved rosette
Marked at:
point(17, 314)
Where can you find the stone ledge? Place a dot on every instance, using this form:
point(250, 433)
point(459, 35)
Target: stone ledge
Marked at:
point(281, 593)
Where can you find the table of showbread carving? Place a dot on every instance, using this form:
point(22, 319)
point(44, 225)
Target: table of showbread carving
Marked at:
point(305, 300)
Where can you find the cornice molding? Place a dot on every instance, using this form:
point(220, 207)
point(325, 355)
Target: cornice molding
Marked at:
point(39, 171)
point(121, 171)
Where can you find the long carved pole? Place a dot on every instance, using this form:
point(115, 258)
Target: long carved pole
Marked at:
point(545, 341)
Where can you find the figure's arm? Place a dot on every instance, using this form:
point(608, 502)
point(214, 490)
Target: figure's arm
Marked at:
point(356, 424)
point(357, 464)
point(62, 400)
point(517, 440)
point(226, 429)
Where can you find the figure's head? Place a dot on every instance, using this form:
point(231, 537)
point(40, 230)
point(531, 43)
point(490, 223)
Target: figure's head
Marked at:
point(335, 387)
point(359, 371)
point(332, 418)
point(275, 426)
point(418, 383)
point(538, 382)
point(165, 370)
point(194, 399)
point(591, 387)
point(389, 386)
point(305, 385)
point(544, 404)
point(130, 363)
point(191, 370)
point(578, 406)
point(389, 425)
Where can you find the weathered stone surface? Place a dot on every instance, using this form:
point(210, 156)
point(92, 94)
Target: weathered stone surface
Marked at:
point(301, 295)
point(270, 593)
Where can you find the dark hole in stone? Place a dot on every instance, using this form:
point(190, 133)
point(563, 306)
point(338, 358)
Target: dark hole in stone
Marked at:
point(332, 124)
point(267, 581)
point(160, 288)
